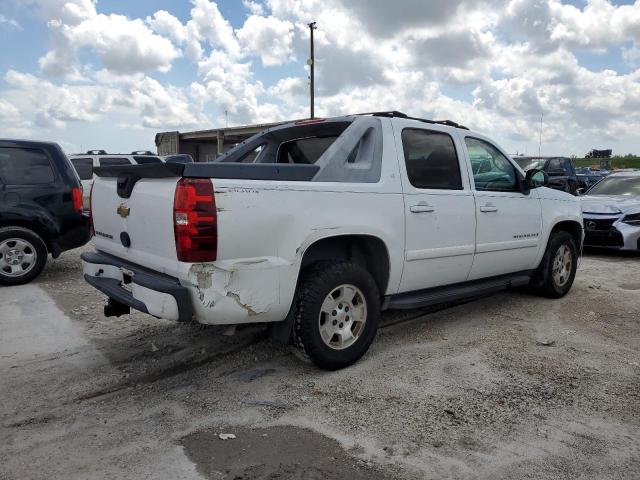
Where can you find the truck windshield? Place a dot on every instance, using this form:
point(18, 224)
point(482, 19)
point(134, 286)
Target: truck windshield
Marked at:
point(617, 186)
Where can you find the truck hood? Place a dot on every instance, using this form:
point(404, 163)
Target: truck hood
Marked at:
point(610, 204)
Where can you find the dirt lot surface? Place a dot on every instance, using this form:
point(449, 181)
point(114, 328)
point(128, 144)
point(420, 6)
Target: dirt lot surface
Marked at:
point(510, 386)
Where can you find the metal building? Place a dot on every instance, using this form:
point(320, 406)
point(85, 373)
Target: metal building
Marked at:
point(206, 145)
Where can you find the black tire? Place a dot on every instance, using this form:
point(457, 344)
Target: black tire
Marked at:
point(317, 283)
point(36, 245)
point(544, 281)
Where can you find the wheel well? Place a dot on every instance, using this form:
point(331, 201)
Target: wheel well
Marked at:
point(33, 227)
point(367, 251)
point(570, 226)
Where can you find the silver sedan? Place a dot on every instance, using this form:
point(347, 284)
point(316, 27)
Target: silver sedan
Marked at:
point(611, 211)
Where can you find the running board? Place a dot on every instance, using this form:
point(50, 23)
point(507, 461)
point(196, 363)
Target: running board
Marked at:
point(456, 292)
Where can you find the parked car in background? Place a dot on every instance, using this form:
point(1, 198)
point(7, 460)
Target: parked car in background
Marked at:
point(611, 211)
point(562, 174)
point(84, 164)
point(40, 208)
point(318, 225)
point(586, 181)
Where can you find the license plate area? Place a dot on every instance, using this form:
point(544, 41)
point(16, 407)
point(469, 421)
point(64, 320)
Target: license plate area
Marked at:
point(127, 278)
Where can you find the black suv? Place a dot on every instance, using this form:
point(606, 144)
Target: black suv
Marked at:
point(562, 174)
point(40, 208)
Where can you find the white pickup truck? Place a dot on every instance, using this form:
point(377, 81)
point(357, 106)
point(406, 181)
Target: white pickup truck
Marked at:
point(317, 226)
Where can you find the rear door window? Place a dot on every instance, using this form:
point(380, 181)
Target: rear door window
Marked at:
point(109, 162)
point(431, 159)
point(84, 167)
point(25, 166)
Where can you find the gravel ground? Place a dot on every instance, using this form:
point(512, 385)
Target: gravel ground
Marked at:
point(510, 386)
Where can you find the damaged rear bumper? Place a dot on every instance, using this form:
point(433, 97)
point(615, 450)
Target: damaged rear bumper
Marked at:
point(224, 293)
point(142, 289)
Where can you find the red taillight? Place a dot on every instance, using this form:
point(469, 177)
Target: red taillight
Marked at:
point(194, 220)
point(91, 228)
point(76, 194)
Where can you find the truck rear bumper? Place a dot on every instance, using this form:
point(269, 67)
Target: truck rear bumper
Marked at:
point(140, 288)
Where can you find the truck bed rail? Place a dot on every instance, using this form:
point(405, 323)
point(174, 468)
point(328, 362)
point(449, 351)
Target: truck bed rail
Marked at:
point(241, 171)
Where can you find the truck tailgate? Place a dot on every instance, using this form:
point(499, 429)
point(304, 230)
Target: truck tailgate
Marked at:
point(144, 222)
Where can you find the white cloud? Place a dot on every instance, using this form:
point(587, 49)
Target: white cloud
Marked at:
point(149, 103)
point(211, 25)
point(187, 36)
point(631, 55)
point(268, 37)
point(254, 7)
point(122, 45)
point(289, 87)
point(9, 21)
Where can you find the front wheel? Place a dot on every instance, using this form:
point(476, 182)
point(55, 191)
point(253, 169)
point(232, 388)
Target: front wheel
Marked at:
point(556, 273)
point(337, 314)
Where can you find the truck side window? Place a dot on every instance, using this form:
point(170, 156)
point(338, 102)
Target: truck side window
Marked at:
point(431, 159)
point(499, 175)
point(25, 166)
point(84, 167)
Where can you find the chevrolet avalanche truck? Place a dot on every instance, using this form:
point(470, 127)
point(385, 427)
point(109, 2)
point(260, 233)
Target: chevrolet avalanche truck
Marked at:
point(317, 226)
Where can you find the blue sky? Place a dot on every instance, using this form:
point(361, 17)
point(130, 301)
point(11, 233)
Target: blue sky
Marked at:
point(111, 73)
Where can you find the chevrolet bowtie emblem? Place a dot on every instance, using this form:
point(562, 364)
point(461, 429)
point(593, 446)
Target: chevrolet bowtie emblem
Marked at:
point(123, 210)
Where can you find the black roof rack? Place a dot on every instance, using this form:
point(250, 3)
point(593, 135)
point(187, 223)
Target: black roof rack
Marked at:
point(397, 114)
point(96, 152)
point(142, 152)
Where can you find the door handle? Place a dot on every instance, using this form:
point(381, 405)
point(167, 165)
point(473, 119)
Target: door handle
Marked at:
point(488, 208)
point(422, 208)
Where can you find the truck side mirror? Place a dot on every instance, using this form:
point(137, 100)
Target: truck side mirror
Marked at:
point(580, 191)
point(536, 178)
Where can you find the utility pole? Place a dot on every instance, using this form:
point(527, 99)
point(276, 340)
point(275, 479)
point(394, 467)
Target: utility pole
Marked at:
point(540, 143)
point(312, 64)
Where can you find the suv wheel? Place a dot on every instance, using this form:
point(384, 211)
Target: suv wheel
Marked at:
point(557, 270)
point(337, 314)
point(23, 255)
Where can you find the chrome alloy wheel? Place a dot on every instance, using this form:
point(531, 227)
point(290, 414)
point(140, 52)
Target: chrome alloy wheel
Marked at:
point(17, 257)
point(562, 265)
point(342, 317)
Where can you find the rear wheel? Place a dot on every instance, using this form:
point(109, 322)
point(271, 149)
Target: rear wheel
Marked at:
point(23, 255)
point(337, 314)
point(554, 277)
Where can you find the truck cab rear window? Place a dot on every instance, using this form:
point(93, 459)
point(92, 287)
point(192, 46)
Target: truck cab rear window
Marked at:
point(304, 150)
point(25, 166)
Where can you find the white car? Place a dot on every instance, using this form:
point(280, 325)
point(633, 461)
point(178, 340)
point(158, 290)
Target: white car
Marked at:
point(611, 211)
point(85, 162)
point(317, 226)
